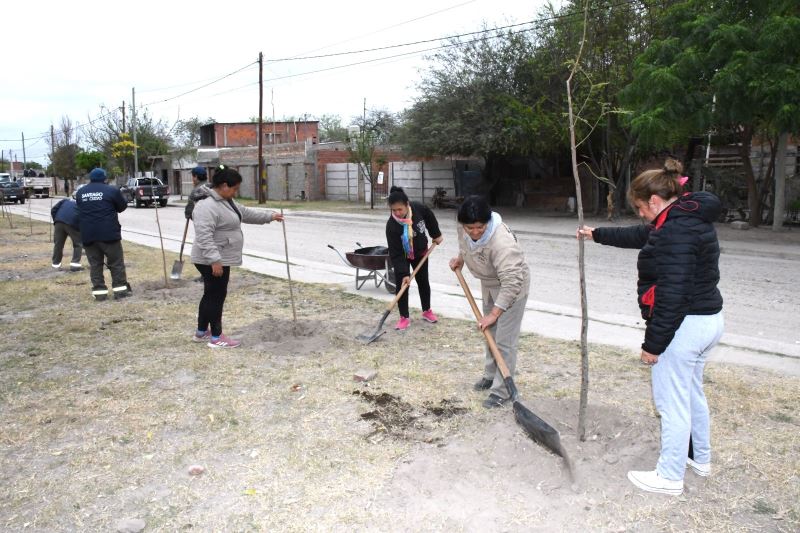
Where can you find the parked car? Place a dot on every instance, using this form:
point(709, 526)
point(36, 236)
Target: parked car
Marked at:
point(145, 191)
point(11, 192)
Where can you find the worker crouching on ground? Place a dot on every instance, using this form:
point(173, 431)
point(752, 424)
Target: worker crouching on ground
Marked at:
point(98, 206)
point(218, 243)
point(492, 254)
point(66, 224)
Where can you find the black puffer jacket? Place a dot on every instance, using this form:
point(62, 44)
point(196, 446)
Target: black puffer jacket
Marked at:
point(423, 222)
point(678, 265)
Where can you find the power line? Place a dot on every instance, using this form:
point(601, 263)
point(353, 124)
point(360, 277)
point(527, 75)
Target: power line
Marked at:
point(390, 27)
point(352, 52)
point(102, 116)
point(202, 86)
point(534, 24)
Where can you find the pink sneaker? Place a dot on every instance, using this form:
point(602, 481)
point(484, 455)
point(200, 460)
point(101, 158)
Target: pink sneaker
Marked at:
point(428, 316)
point(402, 324)
point(223, 341)
point(205, 337)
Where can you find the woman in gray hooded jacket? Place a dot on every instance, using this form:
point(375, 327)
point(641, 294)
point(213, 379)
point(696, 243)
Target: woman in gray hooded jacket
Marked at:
point(217, 246)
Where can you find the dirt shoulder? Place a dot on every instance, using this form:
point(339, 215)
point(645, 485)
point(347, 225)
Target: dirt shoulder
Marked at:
point(106, 407)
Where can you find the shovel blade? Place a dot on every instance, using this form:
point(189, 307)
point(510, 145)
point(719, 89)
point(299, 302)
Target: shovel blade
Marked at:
point(538, 429)
point(367, 338)
point(177, 267)
point(373, 335)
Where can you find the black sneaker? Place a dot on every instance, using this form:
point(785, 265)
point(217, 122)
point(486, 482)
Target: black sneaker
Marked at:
point(482, 384)
point(494, 401)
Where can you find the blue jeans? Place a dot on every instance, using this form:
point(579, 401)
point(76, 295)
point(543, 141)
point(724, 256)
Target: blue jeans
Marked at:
point(678, 394)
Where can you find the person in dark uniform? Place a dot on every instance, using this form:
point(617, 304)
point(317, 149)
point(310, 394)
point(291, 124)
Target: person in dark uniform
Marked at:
point(65, 221)
point(407, 238)
point(200, 182)
point(98, 207)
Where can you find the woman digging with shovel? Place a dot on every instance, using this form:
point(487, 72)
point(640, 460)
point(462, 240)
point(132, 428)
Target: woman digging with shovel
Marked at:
point(408, 243)
point(493, 255)
point(218, 243)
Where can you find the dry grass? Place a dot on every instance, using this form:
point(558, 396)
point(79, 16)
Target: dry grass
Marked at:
point(105, 406)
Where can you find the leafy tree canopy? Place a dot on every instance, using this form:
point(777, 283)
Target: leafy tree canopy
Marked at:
point(86, 161)
point(726, 64)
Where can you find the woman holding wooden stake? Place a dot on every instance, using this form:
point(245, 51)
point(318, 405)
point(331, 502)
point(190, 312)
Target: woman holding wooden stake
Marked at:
point(218, 244)
point(492, 254)
point(678, 275)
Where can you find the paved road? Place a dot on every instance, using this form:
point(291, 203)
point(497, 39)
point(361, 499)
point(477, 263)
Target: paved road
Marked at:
point(758, 271)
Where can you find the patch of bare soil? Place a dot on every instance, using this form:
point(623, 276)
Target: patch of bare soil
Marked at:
point(111, 418)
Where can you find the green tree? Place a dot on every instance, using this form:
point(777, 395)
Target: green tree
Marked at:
point(153, 137)
point(724, 66)
point(186, 134)
point(87, 161)
point(331, 129)
point(65, 151)
point(473, 103)
point(375, 128)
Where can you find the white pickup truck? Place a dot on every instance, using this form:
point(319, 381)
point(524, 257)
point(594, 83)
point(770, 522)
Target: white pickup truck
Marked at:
point(36, 185)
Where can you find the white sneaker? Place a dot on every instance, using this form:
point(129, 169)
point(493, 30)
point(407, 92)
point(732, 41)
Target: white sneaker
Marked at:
point(57, 267)
point(701, 469)
point(652, 482)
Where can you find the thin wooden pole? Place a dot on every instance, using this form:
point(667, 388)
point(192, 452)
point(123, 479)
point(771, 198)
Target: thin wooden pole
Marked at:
point(288, 272)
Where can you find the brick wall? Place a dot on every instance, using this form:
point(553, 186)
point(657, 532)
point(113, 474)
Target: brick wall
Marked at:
point(239, 134)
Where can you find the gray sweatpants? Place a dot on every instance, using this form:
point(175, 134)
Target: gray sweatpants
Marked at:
point(60, 234)
point(506, 335)
point(111, 253)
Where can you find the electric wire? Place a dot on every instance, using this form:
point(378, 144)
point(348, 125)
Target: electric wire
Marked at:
point(536, 23)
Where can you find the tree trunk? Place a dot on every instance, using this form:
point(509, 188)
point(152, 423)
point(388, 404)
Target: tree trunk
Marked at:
point(584, 394)
point(780, 182)
point(753, 199)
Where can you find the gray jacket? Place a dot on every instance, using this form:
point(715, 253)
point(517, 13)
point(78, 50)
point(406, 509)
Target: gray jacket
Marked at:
point(218, 234)
point(500, 263)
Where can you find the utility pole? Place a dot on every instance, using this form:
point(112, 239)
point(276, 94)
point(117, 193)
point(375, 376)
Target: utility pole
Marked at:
point(133, 127)
point(261, 188)
point(24, 160)
point(52, 159)
point(123, 115)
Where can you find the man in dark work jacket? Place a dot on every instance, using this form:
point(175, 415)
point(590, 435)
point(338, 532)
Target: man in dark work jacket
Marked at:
point(99, 204)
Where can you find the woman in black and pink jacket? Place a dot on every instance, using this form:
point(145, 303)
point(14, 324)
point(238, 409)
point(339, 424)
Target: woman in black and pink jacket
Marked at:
point(678, 270)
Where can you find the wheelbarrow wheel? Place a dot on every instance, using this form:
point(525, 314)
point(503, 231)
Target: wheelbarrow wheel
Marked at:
point(389, 281)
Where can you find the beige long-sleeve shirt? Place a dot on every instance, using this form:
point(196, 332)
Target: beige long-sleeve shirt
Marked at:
point(499, 263)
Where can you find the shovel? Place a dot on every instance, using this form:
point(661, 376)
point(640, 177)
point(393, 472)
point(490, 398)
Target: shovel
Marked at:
point(368, 337)
point(537, 429)
point(177, 266)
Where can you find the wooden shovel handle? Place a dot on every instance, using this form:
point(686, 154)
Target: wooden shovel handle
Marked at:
point(183, 241)
point(498, 357)
point(414, 273)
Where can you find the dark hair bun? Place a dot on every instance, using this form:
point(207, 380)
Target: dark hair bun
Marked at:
point(395, 189)
point(673, 166)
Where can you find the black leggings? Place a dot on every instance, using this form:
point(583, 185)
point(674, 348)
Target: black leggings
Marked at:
point(215, 289)
point(423, 286)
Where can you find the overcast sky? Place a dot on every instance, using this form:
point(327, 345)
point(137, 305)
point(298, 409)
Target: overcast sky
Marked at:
point(79, 58)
